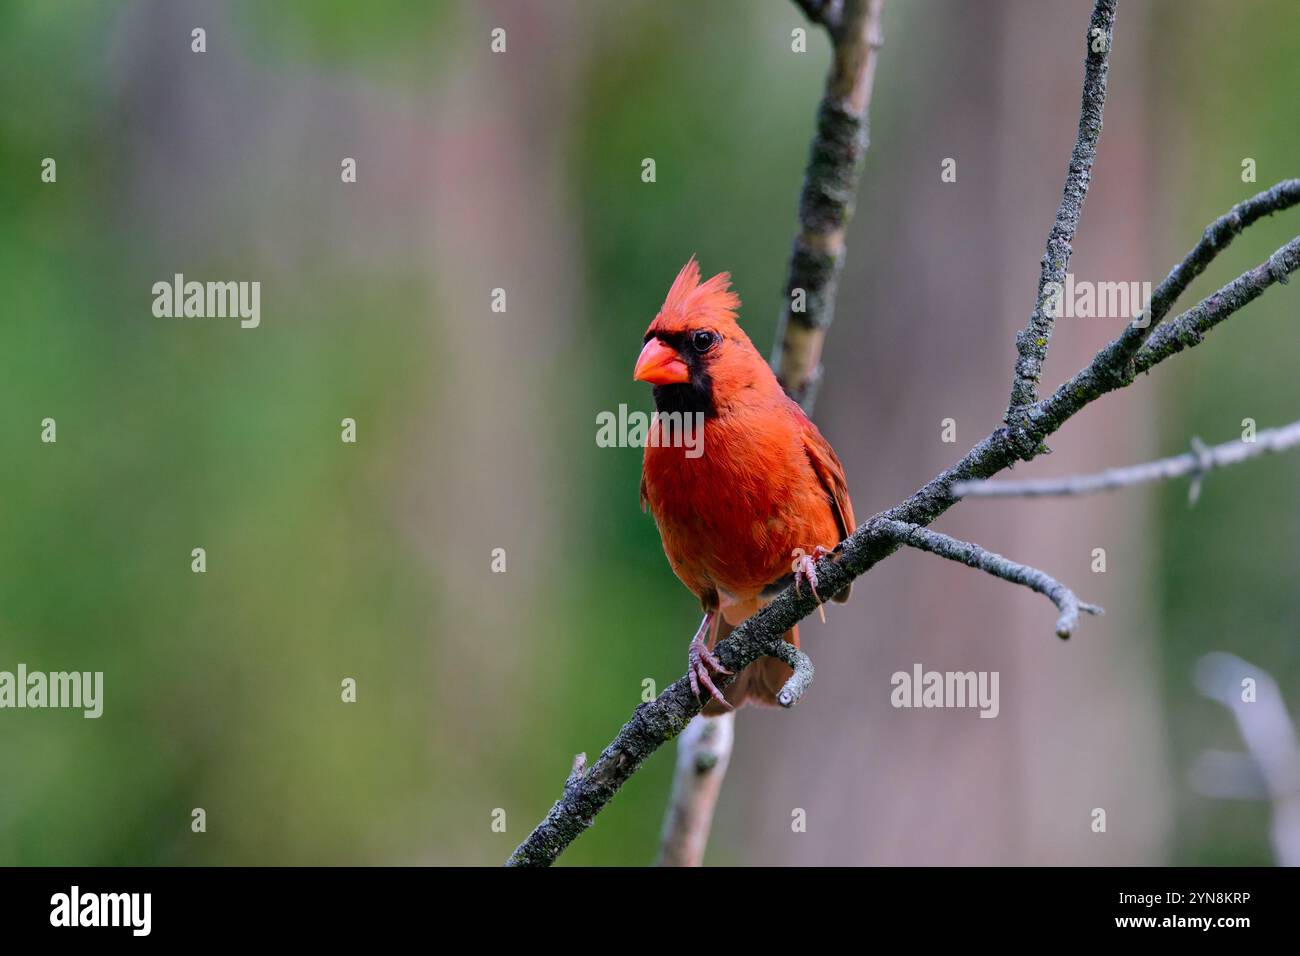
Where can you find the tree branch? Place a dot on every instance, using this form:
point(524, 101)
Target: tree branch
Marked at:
point(1032, 342)
point(829, 188)
point(1111, 368)
point(794, 689)
point(1218, 236)
point(655, 722)
point(703, 752)
point(830, 185)
point(974, 556)
point(1196, 463)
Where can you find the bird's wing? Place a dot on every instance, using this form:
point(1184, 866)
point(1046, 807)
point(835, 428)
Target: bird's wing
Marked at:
point(830, 473)
point(826, 465)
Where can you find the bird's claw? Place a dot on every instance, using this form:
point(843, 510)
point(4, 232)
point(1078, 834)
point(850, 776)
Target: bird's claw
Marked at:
point(702, 661)
point(805, 568)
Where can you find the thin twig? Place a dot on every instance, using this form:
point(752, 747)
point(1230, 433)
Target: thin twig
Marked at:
point(1189, 328)
point(1111, 369)
point(1196, 463)
point(794, 688)
point(1218, 236)
point(974, 556)
point(654, 723)
point(1032, 342)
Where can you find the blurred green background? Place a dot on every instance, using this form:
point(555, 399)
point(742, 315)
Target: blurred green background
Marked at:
point(521, 171)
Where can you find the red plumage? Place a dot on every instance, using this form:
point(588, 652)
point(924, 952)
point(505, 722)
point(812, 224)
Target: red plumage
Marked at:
point(767, 488)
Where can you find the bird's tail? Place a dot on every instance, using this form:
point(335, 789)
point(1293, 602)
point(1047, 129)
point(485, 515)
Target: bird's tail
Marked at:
point(759, 683)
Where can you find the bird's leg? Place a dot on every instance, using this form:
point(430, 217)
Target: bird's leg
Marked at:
point(701, 661)
point(805, 568)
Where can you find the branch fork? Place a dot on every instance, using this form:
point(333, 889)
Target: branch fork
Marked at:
point(1028, 423)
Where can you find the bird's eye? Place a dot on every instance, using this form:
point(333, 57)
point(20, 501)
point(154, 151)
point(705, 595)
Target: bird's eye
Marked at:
point(703, 341)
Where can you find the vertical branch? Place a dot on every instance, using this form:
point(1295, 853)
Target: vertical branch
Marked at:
point(703, 752)
point(1032, 342)
point(826, 204)
point(825, 207)
point(590, 789)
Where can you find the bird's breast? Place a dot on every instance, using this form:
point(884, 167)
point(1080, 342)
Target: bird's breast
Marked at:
point(731, 518)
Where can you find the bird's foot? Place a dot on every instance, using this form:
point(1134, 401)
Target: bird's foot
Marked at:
point(805, 569)
point(702, 663)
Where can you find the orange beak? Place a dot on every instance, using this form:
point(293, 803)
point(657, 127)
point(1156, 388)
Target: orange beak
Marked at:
point(659, 364)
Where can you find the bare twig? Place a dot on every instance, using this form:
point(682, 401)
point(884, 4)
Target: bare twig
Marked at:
point(1032, 342)
point(654, 723)
point(658, 721)
point(974, 556)
point(1196, 463)
point(1112, 368)
point(703, 752)
point(1218, 236)
point(1189, 328)
point(794, 689)
point(829, 188)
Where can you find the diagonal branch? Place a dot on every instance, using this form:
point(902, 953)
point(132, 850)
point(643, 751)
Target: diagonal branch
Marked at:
point(974, 556)
point(1111, 369)
point(1189, 328)
point(1218, 236)
point(1032, 342)
point(654, 723)
point(826, 202)
point(1196, 463)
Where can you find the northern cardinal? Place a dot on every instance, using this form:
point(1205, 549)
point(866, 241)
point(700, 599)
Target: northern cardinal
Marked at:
point(765, 498)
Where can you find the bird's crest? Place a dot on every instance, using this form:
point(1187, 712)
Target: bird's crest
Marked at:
point(693, 302)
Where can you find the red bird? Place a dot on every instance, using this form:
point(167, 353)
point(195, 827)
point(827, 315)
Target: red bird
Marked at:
point(764, 499)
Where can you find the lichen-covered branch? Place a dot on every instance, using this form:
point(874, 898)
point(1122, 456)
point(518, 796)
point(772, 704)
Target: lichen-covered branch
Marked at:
point(829, 189)
point(974, 556)
point(1032, 342)
point(826, 204)
point(1189, 328)
point(1218, 236)
point(1111, 368)
point(658, 721)
point(654, 723)
point(794, 689)
point(1197, 463)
